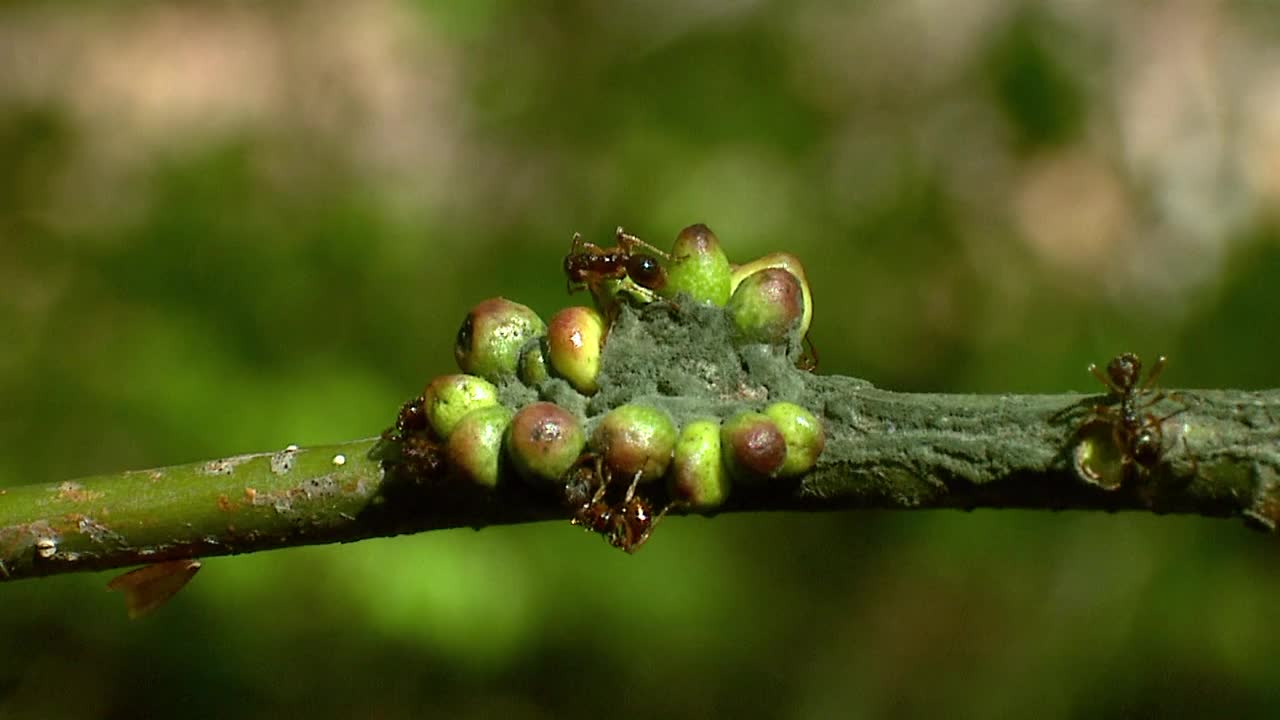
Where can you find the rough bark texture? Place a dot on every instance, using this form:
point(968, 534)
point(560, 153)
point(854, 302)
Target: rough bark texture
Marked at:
point(884, 450)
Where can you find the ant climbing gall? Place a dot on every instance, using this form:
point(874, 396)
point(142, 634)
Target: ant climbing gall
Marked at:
point(420, 454)
point(1137, 434)
point(632, 266)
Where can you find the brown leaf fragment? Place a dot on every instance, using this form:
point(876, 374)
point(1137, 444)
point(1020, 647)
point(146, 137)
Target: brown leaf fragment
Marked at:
point(149, 587)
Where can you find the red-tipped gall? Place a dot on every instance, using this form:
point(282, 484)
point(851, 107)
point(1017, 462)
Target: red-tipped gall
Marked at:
point(543, 441)
point(575, 339)
point(493, 336)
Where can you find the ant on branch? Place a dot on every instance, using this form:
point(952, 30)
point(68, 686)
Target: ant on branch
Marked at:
point(626, 524)
point(1138, 435)
point(421, 455)
point(592, 267)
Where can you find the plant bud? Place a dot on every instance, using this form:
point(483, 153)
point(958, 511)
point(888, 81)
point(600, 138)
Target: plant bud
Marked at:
point(635, 440)
point(698, 266)
point(767, 306)
point(804, 436)
point(474, 449)
point(448, 398)
point(493, 337)
point(543, 441)
point(753, 446)
point(533, 364)
point(575, 339)
point(787, 262)
point(698, 479)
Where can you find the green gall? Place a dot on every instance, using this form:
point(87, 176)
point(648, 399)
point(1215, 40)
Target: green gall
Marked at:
point(1098, 461)
point(533, 369)
point(474, 449)
point(698, 480)
point(785, 261)
point(493, 337)
point(803, 434)
point(753, 446)
point(543, 441)
point(449, 398)
point(575, 339)
point(767, 306)
point(699, 267)
point(636, 441)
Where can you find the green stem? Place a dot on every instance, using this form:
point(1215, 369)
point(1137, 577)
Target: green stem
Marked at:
point(884, 450)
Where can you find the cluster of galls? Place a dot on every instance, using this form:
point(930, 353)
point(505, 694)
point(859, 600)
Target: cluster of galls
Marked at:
point(612, 472)
point(767, 299)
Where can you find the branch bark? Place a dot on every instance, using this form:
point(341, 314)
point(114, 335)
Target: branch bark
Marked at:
point(884, 450)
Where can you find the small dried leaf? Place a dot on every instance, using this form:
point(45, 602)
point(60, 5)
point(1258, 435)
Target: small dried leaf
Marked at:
point(149, 587)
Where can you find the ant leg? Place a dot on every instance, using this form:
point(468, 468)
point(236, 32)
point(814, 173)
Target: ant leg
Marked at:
point(629, 242)
point(631, 489)
point(1154, 372)
point(658, 518)
point(1102, 377)
point(808, 360)
point(605, 477)
point(578, 246)
point(1154, 399)
point(1151, 419)
point(1195, 461)
point(1106, 413)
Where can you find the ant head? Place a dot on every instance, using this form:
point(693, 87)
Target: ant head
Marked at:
point(572, 268)
point(1124, 370)
point(411, 416)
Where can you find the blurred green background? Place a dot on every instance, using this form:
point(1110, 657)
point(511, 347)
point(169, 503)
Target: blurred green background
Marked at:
point(230, 226)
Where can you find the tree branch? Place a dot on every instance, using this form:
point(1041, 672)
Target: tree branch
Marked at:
point(1220, 457)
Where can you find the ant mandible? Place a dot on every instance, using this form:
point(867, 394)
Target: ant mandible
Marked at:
point(626, 525)
point(1138, 435)
point(589, 266)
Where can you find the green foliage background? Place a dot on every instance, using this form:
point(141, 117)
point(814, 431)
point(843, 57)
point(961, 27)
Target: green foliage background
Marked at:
point(226, 227)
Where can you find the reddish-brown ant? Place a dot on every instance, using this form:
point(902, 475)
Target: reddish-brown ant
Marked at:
point(626, 524)
point(420, 453)
point(1138, 435)
point(590, 266)
point(808, 360)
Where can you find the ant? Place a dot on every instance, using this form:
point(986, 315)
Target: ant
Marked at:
point(589, 266)
point(1139, 435)
point(420, 453)
point(808, 360)
point(626, 525)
